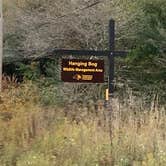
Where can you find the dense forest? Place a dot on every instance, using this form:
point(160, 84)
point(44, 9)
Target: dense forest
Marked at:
point(46, 122)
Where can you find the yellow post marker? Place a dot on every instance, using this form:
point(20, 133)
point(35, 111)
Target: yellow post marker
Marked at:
point(107, 94)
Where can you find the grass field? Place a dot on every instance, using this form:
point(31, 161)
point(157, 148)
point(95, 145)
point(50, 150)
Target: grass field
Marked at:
point(129, 134)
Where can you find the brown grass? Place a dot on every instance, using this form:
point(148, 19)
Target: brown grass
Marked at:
point(127, 134)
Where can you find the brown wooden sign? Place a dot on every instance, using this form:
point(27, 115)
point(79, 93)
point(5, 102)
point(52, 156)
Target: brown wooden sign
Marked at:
point(81, 70)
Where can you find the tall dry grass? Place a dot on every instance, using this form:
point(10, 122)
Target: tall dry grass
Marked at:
point(126, 133)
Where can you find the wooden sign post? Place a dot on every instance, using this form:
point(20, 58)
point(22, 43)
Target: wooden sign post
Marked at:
point(72, 72)
point(111, 55)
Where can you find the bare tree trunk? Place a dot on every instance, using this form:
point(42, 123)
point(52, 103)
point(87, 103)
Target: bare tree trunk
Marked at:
point(1, 43)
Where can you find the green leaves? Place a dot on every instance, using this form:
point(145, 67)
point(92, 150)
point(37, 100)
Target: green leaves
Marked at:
point(151, 38)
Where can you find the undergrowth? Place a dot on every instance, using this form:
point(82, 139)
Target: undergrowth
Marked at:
point(79, 135)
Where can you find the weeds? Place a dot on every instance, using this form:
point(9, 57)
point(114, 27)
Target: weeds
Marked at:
point(79, 134)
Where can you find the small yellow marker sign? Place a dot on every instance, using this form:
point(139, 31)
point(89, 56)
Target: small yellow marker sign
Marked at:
point(106, 94)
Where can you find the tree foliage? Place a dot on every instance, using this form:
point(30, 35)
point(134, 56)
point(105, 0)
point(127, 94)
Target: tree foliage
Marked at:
point(153, 35)
point(41, 25)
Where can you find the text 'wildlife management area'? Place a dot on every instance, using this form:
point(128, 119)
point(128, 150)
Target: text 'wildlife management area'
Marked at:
point(81, 70)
